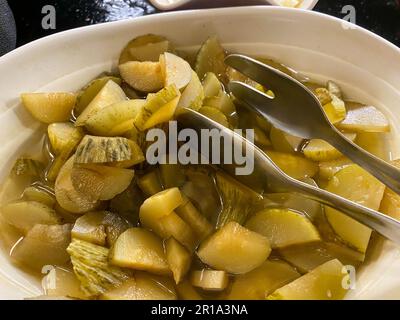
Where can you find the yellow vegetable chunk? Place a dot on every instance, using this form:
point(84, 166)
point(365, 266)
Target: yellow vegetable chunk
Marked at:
point(90, 228)
point(140, 249)
point(144, 76)
point(111, 93)
point(211, 85)
point(210, 280)
point(193, 95)
point(63, 282)
point(116, 119)
point(150, 183)
point(39, 194)
point(172, 175)
point(26, 214)
point(234, 249)
point(179, 259)
point(335, 110)
point(284, 142)
point(64, 137)
point(175, 70)
point(327, 169)
point(362, 118)
point(323, 283)
point(215, 115)
point(260, 282)
point(294, 166)
point(143, 287)
point(283, 227)
point(357, 185)
point(210, 58)
point(49, 107)
point(377, 143)
point(390, 204)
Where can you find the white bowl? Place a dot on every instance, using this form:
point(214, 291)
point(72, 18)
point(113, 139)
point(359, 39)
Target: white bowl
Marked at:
point(174, 4)
point(365, 65)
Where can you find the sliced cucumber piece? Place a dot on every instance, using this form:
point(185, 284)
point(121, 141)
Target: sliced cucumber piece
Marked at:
point(210, 280)
point(144, 76)
point(179, 259)
point(210, 58)
point(175, 70)
point(193, 95)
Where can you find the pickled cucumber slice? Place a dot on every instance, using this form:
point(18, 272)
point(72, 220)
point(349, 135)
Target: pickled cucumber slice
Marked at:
point(211, 85)
point(143, 286)
point(323, 95)
point(262, 281)
point(49, 107)
point(101, 182)
point(43, 245)
point(193, 95)
point(39, 194)
point(158, 108)
point(144, 76)
point(140, 249)
point(91, 267)
point(189, 213)
point(390, 204)
point(377, 143)
point(283, 227)
point(357, 185)
point(67, 197)
point(144, 48)
point(210, 58)
point(63, 282)
point(94, 149)
point(222, 102)
point(234, 249)
point(88, 93)
point(116, 119)
point(179, 259)
point(320, 150)
point(25, 215)
point(322, 283)
point(284, 142)
point(175, 70)
point(307, 257)
point(64, 137)
point(334, 89)
point(150, 183)
point(361, 118)
point(215, 115)
point(210, 280)
point(335, 110)
point(90, 228)
point(294, 166)
point(237, 200)
point(327, 169)
point(110, 93)
point(27, 167)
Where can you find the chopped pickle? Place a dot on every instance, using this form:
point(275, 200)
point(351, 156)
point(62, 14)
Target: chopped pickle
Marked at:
point(27, 167)
point(237, 200)
point(90, 228)
point(211, 85)
point(357, 185)
point(63, 282)
point(143, 48)
point(334, 89)
point(39, 194)
point(283, 227)
point(159, 205)
point(361, 118)
point(64, 137)
point(93, 149)
point(91, 267)
point(323, 95)
point(193, 95)
point(377, 143)
point(179, 259)
point(116, 119)
point(42, 246)
point(88, 93)
point(100, 182)
point(293, 165)
point(143, 287)
point(390, 204)
point(262, 281)
point(49, 107)
point(215, 115)
point(158, 108)
point(328, 169)
point(320, 150)
point(322, 283)
point(335, 110)
point(172, 175)
point(186, 291)
point(210, 280)
point(175, 70)
point(234, 249)
point(110, 93)
point(222, 102)
point(210, 58)
point(67, 197)
point(284, 142)
point(140, 249)
point(144, 76)
point(307, 257)
point(150, 183)
point(26, 214)
point(189, 213)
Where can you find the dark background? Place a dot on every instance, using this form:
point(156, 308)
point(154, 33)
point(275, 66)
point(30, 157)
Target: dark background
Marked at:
point(379, 16)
